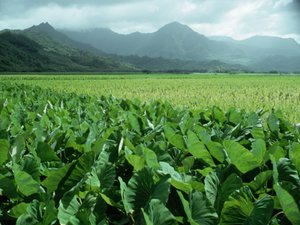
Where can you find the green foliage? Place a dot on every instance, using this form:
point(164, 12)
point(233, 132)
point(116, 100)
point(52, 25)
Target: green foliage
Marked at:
point(240, 157)
point(242, 209)
point(255, 92)
point(37, 52)
point(198, 209)
point(158, 214)
point(78, 159)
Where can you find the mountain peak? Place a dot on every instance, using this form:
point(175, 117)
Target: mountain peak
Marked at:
point(45, 24)
point(271, 41)
point(175, 27)
point(175, 23)
point(44, 27)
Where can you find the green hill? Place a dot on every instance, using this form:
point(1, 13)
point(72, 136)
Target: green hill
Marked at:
point(40, 53)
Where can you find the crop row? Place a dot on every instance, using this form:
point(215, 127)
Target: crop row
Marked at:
point(76, 159)
point(250, 92)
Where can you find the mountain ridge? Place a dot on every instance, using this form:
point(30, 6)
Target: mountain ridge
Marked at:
point(177, 41)
point(21, 53)
point(173, 47)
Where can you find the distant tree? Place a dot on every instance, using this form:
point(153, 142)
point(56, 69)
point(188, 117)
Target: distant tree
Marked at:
point(146, 71)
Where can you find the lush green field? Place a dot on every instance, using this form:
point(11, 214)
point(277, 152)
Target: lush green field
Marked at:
point(78, 159)
point(250, 92)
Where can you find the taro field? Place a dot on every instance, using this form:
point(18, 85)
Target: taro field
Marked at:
point(149, 150)
point(196, 91)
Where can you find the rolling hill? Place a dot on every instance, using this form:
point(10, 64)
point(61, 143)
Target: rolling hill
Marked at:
point(34, 51)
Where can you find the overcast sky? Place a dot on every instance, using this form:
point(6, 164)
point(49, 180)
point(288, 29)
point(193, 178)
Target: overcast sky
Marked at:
point(235, 18)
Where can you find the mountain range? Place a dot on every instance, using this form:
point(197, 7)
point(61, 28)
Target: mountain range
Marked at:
point(178, 41)
point(43, 49)
point(174, 48)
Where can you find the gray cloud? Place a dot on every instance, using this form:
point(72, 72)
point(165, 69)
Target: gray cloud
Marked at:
point(294, 9)
point(236, 18)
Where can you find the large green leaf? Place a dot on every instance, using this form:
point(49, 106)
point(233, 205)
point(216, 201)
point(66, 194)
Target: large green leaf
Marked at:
point(142, 189)
point(260, 180)
point(102, 176)
point(288, 204)
point(73, 210)
point(199, 151)
point(69, 205)
point(151, 158)
point(8, 187)
point(241, 208)
point(30, 165)
point(134, 123)
point(39, 213)
point(277, 151)
point(218, 114)
point(258, 132)
point(25, 183)
point(240, 157)
point(136, 161)
point(4, 150)
point(286, 200)
point(18, 210)
point(17, 148)
point(77, 172)
point(217, 192)
point(177, 180)
point(27, 219)
point(54, 177)
point(216, 150)
point(212, 186)
point(295, 155)
point(50, 213)
point(287, 172)
point(273, 123)
point(158, 214)
point(174, 138)
point(198, 209)
point(259, 150)
point(126, 204)
point(106, 174)
point(261, 212)
point(46, 153)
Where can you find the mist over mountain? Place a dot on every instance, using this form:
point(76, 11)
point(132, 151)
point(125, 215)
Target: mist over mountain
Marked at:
point(58, 52)
point(180, 42)
point(173, 48)
point(42, 49)
point(173, 41)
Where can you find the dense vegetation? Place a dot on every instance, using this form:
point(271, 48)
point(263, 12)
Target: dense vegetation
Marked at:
point(77, 159)
point(149, 64)
point(250, 92)
point(20, 53)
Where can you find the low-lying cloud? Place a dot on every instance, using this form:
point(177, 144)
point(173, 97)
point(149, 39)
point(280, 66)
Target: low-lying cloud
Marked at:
point(239, 19)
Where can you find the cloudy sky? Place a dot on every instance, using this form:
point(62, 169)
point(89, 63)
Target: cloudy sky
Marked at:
point(236, 18)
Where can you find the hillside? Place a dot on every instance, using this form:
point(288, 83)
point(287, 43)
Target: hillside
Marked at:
point(173, 41)
point(173, 48)
point(53, 41)
point(19, 53)
point(180, 42)
point(159, 64)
